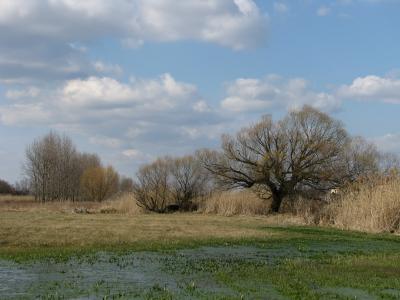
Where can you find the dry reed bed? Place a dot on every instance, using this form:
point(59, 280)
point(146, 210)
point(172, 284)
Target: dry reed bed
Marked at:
point(372, 206)
point(234, 203)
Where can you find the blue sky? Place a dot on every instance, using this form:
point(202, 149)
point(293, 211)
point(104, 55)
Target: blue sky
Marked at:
point(134, 79)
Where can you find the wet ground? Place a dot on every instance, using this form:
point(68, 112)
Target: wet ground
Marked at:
point(223, 272)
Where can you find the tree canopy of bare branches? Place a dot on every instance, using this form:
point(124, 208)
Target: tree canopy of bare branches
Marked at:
point(303, 150)
point(170, 180)
point(53, 168)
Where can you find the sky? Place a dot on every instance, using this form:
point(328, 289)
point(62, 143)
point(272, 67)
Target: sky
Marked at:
point(132, 80)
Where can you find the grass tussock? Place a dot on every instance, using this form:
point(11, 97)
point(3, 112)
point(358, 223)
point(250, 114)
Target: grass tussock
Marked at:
point(235, 203)
point(372, 205)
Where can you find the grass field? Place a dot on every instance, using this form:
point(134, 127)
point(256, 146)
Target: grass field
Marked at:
point(47, 253)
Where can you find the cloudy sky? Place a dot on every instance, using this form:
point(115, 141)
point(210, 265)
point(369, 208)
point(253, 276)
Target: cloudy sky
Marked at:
point(134, 79)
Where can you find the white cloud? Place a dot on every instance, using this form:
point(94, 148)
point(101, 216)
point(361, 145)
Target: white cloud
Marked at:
point(105, 68)
point(157, 20)
point(372, 87)
point(159, 94)
point(388, 143)
point(237, 24)
point(271, 92)
point(201, 106)
point(105, 141)
point(67, 27)
point(135, 154)
point(323, 11)
point(27, 114)
point(99, 98)
point(29, 92)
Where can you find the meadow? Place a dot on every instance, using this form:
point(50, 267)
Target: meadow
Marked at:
point(116, 251)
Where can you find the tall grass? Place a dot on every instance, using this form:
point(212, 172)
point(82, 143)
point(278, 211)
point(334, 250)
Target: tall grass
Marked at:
point(234, 203)
point(372, 205)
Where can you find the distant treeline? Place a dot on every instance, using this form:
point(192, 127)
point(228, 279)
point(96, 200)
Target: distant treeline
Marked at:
point(19, 188)
point(57, 171)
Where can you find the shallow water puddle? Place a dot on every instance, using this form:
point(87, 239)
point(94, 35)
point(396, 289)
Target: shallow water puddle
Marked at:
point(182, 274)
point(349, 293)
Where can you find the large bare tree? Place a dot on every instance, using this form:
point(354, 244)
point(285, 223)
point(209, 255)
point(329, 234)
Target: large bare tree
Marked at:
point(303, 150)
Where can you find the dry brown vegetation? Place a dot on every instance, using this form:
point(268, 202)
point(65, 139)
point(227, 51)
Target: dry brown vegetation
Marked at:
point(232, 203)
point(47, 228)
point(371, 205)
point(26, 223)
point(123, 203)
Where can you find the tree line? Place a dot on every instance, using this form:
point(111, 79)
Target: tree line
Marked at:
point(306, 152)
point(19, 188)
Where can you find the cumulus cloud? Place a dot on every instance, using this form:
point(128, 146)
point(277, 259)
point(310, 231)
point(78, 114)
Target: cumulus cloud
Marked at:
point(28, 92)
point(388, 143)
point(237, 24)
point(274, 92)
point(42, 39)
point(105, 97)
point(372, 87)
point(271, 92)
point(323, 11)
point(30, 113)
point(162, 94)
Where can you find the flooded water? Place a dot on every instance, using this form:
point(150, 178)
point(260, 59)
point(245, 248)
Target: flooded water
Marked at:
point(184, 274)
point(132, 274)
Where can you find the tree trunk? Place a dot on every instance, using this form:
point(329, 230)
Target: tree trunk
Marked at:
point(276, 202)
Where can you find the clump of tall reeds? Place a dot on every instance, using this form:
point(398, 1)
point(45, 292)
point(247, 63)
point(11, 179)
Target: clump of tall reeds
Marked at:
point(232, 203)
point(371, 204)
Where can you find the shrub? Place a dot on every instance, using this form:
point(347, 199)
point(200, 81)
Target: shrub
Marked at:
point(99, 183)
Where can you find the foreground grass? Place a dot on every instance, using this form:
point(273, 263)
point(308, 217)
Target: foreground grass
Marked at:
point(244, 258)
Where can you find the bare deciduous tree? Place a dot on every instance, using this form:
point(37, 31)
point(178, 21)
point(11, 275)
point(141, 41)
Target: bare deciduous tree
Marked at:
point(188, 180)
point(303, 150)
point(126, 185)
point(361, 159)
